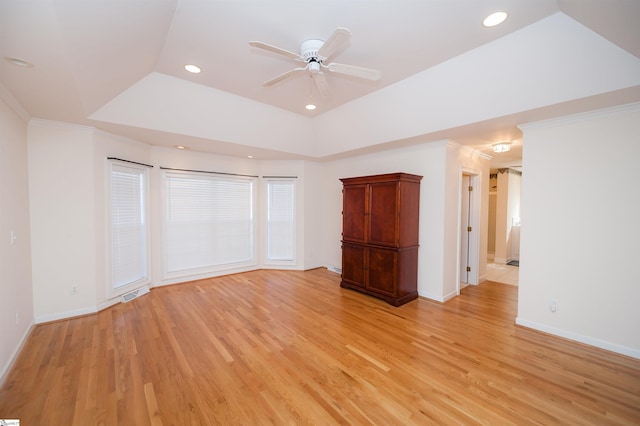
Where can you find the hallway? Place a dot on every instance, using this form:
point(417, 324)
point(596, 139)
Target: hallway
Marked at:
point(501, 273)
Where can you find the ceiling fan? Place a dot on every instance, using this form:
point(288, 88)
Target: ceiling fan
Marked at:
point(315, 53)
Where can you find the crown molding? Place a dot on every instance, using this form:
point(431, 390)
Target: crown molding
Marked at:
point(584, 116)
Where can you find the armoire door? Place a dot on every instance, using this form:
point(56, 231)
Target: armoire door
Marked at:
point(382, 271)
point(383, 217)
point(354, 213)
point(353, 264)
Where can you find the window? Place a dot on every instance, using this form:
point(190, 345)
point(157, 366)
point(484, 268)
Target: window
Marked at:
point(209, 222)
point(129, 227)
point(280, 220)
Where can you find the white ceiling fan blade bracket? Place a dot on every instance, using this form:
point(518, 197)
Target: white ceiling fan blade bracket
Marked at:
point(355, 71)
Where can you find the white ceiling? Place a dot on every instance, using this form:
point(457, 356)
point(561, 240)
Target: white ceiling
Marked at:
point(118, 65)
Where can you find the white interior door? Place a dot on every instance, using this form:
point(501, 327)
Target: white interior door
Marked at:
point(465, 230)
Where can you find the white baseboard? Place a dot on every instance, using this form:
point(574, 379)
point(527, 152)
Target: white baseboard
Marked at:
point(450, 296)
point(613, 347)
point(14, 355)
point(67, 314)
point(107, 304)
point(283, 267)
point(432, 296)
point(181, 279)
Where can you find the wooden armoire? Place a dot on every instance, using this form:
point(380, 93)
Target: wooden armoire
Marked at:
point(380, 236)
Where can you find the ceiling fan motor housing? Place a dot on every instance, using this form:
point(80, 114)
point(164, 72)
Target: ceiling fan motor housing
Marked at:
point(309, 50)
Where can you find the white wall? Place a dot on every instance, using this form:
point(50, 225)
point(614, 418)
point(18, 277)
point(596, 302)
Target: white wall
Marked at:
point(16, 296)
point(440, 165)
point(315, 212)
point(427, 160)
point(68, 178)
point(63, 231)
point(67, 184)
point(580, 209)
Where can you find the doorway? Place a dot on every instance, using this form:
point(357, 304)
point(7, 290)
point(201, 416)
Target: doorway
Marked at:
point(468, 229)
point(503, 249)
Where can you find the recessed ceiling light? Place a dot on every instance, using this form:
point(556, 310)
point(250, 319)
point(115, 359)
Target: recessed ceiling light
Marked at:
point(501, 147)
point(181, 147)
point(19, 62)
point(249, 156)
point(192, 68)
point(310, 107)
point(494, 19)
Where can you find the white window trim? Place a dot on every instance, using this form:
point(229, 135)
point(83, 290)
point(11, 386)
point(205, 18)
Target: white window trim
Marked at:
point(265, 243)
point(146, 280)
point(194, 273)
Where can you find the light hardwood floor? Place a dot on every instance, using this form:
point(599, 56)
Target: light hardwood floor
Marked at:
point(294, 348)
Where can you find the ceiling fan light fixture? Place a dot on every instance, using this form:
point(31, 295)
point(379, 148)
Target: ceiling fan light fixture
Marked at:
point(315, 53)
point(194, 69)
point(494, 19)
point(501, 147)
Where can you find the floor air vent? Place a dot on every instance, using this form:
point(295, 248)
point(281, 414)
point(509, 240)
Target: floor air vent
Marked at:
point(134, 294)
point(335, 269)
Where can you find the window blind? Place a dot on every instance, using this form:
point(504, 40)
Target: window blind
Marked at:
point(280, 220)
point(209, 221)
point(129, 252)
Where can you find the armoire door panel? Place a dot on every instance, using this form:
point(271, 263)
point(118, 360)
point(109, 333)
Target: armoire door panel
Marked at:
point(383, 218)
point(354, 212)
point(383, 271)
point(353, 264)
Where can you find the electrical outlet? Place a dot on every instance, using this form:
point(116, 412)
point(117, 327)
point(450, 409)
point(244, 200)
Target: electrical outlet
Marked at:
point(74, 290)
point(553, 305)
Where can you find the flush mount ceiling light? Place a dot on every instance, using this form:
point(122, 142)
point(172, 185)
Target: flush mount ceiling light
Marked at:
point(501, 147)
point(192, 68)
point(494, 19)
point(19, 62)
point(310, 107)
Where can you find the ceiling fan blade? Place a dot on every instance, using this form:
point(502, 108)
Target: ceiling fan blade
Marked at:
point(321, 84)
point(360, 72)
point(275, 49)
point(285, 75)
point(338, 40)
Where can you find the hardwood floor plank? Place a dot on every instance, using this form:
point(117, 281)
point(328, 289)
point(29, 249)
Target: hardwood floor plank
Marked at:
point(282, 347)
